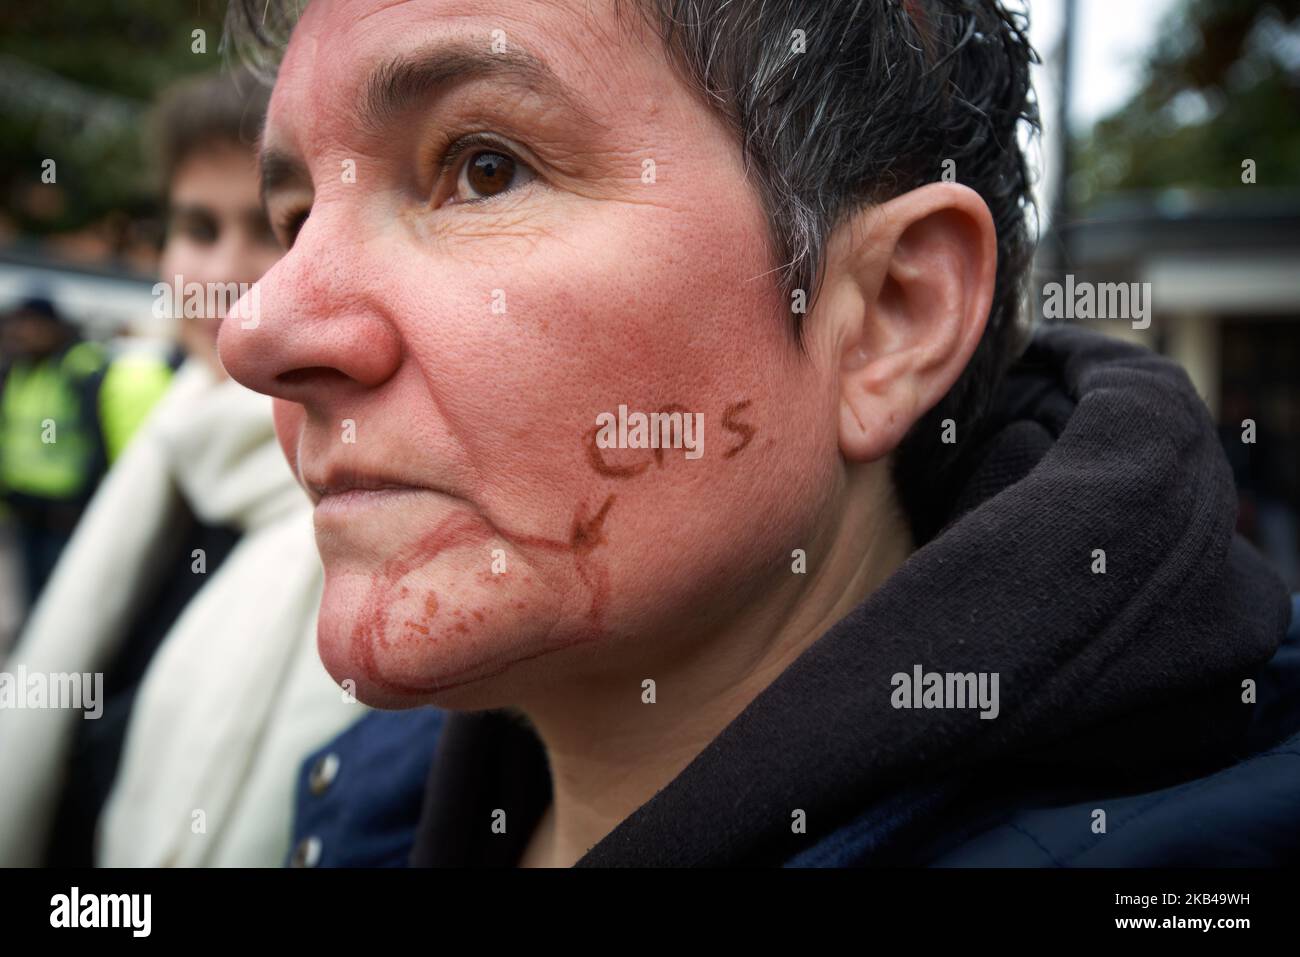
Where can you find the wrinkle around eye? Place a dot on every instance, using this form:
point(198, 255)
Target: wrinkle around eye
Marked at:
point(487, 230)
point(520, 199)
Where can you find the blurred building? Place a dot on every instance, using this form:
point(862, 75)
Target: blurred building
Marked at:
point(1224, 274)
point(104, 299)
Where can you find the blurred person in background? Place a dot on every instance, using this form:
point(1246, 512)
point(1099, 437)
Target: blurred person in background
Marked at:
point(192, 582)
point(66, 413)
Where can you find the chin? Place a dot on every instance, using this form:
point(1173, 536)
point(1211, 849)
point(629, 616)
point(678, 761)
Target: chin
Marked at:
point(429, 638)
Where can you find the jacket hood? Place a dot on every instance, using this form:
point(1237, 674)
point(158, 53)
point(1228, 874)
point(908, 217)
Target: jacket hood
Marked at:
point(1093, 446)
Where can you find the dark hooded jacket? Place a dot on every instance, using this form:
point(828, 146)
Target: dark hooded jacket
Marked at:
point(1148, 714)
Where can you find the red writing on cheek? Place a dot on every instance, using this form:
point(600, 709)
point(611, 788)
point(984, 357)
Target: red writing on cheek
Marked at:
point(602, 467)
point(586, 535)
point(746, 432)
point(668, 409)
point(730, 422)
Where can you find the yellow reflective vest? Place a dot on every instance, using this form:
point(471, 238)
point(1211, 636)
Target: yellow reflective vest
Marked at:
point(65, 418)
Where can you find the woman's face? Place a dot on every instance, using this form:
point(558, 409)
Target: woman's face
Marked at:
point(216, 233)
point(504, 224)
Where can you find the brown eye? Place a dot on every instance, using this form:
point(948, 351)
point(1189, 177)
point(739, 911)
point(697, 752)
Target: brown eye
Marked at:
point(489, 173)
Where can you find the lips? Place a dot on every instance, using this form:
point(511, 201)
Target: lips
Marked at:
point(356, 484)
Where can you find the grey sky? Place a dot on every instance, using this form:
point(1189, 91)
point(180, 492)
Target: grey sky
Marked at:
point(1111, 38)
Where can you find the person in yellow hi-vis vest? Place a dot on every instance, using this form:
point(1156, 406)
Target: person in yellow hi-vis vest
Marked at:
point(66, 412)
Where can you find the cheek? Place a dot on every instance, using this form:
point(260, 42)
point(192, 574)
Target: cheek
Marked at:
point(655, 312)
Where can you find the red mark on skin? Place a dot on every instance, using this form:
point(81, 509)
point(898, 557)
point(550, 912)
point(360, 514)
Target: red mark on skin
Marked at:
point(746, 432)
point(372, 628)
point(669, 409)
point(506, 662)
point(729, 422)
point(465, 529)
point(586, 535)
point(604, 468)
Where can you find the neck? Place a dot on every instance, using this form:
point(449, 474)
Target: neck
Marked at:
point(610, 750)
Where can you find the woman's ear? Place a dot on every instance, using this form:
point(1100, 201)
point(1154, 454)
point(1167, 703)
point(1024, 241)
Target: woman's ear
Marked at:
point(909, 285)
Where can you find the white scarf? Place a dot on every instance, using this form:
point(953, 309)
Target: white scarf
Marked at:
point(235, 696)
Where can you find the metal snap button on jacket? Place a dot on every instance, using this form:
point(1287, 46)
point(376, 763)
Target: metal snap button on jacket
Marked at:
point(307, 853)
point(324, 772)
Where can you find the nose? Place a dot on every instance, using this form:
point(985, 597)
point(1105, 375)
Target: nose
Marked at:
point(312, 328)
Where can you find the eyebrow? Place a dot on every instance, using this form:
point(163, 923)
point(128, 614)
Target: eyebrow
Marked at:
point(410, 78)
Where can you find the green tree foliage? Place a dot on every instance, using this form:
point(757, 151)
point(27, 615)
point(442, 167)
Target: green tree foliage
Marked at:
point(76, 81)
point(1222, 85)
